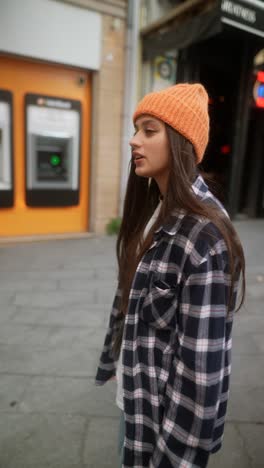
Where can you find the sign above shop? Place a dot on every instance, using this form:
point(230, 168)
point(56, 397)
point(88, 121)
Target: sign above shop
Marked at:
point(247, 15)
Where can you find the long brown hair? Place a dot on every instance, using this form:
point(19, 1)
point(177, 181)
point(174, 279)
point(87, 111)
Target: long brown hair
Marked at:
point(142, 197)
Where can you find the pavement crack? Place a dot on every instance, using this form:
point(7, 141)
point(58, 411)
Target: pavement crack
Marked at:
point(239, 421)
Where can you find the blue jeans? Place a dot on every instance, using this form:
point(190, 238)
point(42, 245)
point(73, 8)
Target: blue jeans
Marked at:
point(121, 437)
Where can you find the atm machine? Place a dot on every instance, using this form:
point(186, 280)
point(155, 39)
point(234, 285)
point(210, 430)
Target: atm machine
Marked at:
point(6, 150)
point(53, 133)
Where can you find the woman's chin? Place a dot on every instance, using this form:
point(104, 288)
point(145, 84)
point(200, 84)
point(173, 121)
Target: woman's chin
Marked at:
point(141, 172)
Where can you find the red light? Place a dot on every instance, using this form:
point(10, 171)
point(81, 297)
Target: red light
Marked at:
point(211, 101)
point(260, 76)
point(226, 149)
point(260, 102)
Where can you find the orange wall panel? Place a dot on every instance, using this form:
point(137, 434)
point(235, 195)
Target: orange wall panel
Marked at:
point(22, 77)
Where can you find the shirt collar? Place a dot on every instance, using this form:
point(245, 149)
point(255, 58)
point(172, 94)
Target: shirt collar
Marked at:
point(200, 188)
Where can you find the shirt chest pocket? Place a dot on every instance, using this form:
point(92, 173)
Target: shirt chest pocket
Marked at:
point(159, 305)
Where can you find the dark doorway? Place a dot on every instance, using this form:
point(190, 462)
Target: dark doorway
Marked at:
point(252, 195)
point(220, 68)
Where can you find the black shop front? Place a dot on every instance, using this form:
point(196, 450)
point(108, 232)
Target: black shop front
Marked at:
point(220, 46)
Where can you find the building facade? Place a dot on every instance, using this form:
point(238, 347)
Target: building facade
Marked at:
point(61, 108)
point(219, 43)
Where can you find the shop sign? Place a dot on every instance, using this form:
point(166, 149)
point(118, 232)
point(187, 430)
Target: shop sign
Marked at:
point(247, 15)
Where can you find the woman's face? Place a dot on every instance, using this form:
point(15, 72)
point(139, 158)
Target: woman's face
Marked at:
point(150, 149)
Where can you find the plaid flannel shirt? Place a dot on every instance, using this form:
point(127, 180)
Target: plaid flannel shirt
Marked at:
point(177, 345)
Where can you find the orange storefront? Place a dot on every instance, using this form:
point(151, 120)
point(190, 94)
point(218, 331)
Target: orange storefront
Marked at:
point(62, 84)
point(23, 77)
point(49, 54)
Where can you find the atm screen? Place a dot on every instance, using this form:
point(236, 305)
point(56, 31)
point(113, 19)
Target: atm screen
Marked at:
point(51, 166)
point(53, 128)
point(6, 150)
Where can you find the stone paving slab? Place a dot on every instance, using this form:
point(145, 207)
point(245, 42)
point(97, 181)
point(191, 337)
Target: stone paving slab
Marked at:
point(7, 313)
point(11, 285)
point(41, 441)
point(232, 453)
point(54, 299)
point(52, 336)
point(246, 403)
point(12, 389)
point(253, 306)
point(6, 299)
point(86, 285)
point(89, 315)
point(61, 297)
point(57, 395)
point(252, 435)
point(248, 324)
point(41, 275)
point(101, 443)
point(75, 361)
point(251, 344)
point(247, 368)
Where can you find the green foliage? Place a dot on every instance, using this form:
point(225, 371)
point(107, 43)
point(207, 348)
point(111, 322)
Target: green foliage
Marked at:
point(113, 226)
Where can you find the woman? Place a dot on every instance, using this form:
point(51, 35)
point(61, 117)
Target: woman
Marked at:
point(172, 316)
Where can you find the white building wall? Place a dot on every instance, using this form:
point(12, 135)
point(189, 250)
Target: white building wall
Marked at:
point(48, 30)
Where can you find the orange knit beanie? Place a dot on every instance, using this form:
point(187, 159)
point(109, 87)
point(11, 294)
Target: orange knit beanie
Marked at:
point(185, 108)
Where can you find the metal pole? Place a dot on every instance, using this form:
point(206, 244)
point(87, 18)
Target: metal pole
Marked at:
point(130, 93)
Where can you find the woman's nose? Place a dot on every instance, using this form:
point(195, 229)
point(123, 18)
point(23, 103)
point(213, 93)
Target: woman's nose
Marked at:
point(134, 142)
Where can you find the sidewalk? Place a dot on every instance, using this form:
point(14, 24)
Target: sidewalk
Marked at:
point(54, 306)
